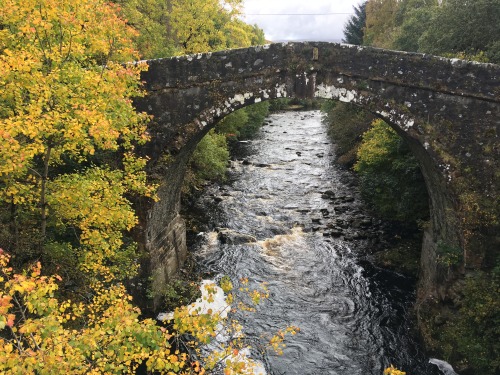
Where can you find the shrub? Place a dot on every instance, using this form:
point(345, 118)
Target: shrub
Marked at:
point(210, 158)
point(390, 176)
point(347, 123)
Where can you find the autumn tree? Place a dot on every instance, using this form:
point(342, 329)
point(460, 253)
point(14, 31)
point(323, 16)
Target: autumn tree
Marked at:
point(210, 25)
point(42, 334)
point(69, 131)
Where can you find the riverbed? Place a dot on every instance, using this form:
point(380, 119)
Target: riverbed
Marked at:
point(290, 217)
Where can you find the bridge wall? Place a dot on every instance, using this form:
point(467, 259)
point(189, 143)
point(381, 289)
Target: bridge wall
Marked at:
point(448, 111)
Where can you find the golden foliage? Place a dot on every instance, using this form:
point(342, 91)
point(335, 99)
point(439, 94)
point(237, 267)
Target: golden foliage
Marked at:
point(393, 371)
point(48, 336)
point(65, 99)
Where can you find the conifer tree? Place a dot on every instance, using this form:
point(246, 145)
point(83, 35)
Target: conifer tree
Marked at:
point(354, 28)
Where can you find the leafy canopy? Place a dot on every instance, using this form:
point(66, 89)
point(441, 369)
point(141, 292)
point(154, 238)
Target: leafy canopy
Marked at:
point(211, 25)
point(69, 129)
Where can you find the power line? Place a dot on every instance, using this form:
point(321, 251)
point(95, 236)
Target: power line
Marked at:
point(309, 14)
point(295, 14)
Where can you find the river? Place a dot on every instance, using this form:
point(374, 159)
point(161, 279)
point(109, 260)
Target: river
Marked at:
point(290, 217)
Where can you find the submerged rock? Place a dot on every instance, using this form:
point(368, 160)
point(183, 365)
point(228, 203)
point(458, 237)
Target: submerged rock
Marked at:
point(231, 237)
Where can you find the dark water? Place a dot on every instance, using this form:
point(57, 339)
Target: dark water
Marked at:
point(353, 317)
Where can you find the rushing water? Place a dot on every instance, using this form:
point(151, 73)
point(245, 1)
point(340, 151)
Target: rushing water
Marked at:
point(287, 193)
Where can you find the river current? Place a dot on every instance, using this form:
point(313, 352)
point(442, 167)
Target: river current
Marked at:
point(290, 217)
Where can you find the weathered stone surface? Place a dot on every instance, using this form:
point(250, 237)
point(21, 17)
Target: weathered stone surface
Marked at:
point(167, 252)
point(447, 109)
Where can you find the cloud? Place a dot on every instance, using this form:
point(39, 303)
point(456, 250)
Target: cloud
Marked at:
point(322, 26)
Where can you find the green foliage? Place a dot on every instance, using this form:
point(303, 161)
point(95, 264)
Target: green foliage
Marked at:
point(258, 36)
point(346, 123)
point(381, 26)
point(390, 176)
point(472, 335)
point(448, 255)
point(304, 104)
point(178, 293)
point(244, 122)
point(463, 26)
point(278, 104)
point(232, 123)
point(354, 28)
point(211, 157)
point(256, 114)
point(415, 23)
point(460, 28)
point(151, 19)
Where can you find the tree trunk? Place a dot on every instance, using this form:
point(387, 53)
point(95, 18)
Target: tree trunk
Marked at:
point(43, 198)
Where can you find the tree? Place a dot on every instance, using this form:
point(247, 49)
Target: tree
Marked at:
point(50, 336)
point(174, 27)
point(208, 25)
point(258, 36)
point(354, 28)
point(381, 24)
point(211, 157)
point(69, 128)
point(415, 23)
point(41, 334)
point(151, 19)
point(463, 26)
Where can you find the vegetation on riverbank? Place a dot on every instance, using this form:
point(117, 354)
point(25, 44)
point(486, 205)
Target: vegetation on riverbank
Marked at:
point(210, 159)
point(468, 336)
point(390, 177)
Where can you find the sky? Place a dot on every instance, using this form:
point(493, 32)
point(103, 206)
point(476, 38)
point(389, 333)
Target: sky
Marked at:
point(320, 26)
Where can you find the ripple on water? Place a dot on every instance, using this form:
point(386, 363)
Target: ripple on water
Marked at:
point(351, 318)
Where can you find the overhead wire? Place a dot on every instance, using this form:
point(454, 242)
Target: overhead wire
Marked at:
point(306, 14)
point(295, 14)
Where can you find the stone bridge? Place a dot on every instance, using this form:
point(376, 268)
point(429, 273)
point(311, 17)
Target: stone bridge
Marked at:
point(447, 109)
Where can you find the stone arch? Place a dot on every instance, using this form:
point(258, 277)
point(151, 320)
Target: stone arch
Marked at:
point(447, 110)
